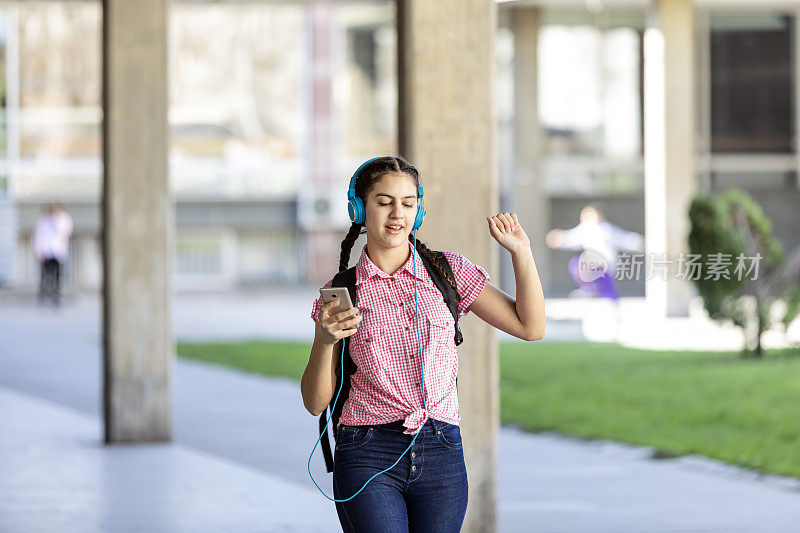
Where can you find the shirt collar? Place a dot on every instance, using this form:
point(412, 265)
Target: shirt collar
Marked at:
point(366, 269)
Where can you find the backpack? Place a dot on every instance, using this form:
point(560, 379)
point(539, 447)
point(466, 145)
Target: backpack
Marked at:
point(347, 278)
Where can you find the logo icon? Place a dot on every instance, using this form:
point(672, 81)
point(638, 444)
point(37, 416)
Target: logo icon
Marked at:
point(591, 266)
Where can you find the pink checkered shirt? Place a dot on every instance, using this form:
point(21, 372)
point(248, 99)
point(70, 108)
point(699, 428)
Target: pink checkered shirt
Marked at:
point(388, 384)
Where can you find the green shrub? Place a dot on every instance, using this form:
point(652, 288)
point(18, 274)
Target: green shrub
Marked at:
point(733, 223)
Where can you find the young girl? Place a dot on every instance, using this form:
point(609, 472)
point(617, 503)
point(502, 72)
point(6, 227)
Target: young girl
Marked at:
point(427, 489)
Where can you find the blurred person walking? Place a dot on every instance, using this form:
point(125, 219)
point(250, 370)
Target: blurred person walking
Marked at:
point(600, 241)
point(51, 246)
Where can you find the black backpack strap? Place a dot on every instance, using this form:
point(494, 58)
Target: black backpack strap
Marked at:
point(324, 440)
point(345, 278)
point(448, 293)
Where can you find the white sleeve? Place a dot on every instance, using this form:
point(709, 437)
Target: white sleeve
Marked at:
point(66, 224)
point(37, 239)
point(572, 239)
point(628, 241)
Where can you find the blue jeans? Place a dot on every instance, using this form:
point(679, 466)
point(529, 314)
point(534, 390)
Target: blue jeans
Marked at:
point(425, 491)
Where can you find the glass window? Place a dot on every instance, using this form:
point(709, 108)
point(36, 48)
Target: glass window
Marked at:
point(590, 108)
point(752, 107)
point(268, 258)
point(365, 94)
point(237, 113)
point(198, 253)
point(59, 79)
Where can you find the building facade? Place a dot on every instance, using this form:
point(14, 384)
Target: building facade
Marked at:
point(265, 132)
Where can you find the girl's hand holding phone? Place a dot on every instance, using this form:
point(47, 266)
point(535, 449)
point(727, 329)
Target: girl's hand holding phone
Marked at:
point(336, 326)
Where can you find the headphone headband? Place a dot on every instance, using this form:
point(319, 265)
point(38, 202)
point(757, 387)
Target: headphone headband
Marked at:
point(351, 190)
point(355, 205)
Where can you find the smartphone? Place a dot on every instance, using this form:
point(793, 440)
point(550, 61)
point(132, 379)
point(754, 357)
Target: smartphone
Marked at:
point(328, 294)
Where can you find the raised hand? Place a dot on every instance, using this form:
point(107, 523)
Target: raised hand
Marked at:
point(508, 232)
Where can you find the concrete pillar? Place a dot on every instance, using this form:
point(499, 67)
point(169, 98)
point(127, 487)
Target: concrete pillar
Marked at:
point(9, 192)
point(137, 223)
point(796, 75)
point(531, 202)
point(702, 33)
point(669, 119)
point(317, 198)
point(446, 123)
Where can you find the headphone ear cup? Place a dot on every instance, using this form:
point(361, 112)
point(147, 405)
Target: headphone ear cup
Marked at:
point(418, 219)
point(355, 208)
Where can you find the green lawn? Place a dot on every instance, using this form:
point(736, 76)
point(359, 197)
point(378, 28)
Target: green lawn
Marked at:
point(709, 403)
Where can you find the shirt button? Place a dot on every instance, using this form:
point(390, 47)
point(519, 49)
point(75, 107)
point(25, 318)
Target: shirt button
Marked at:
point(413, 468)
point(412, 356)
point(417, 384)
point(408, 328)
point(401, 304)
point(369, 340)
point(413, 455)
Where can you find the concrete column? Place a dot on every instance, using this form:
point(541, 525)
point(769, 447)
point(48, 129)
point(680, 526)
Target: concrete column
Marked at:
point(703, 98)
point(446, 123)
point(796, 76)
point(137, 223)
point(9, 213)
point(318, 196)
point(669, 111)
point(531, 202)
point(12, 73)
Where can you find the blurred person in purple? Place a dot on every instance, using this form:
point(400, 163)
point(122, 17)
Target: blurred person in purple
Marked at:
point(51, 246)
point(600, 241)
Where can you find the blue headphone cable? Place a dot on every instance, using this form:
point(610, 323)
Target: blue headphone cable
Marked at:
point(341, 365)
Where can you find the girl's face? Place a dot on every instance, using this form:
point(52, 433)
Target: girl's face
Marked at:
point(390, 210)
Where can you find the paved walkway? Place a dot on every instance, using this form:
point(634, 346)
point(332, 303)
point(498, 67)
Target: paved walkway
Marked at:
point(238, 460)
point(55, 475)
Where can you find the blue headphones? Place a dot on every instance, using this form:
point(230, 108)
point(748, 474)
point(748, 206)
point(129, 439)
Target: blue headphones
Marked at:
point(355, 205)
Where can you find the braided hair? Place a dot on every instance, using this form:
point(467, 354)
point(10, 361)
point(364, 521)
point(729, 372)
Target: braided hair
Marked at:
point(365, 181)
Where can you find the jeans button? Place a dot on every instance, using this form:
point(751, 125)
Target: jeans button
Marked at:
point(413, 455)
